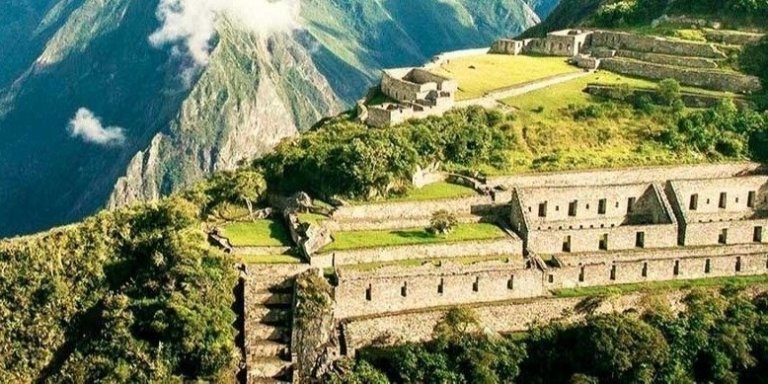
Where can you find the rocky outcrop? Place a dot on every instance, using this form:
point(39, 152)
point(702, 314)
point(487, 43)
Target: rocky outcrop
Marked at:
point(239, 109)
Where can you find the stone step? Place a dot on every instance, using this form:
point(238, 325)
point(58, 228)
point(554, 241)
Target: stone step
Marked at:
point(267, 315)
point(266, 380)
point(266, 348)
point(270, 298)
point(259, 331)
point(268, 368)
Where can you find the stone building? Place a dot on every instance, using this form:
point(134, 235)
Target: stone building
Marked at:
point(587, 219)
point(721, 211)
point(568, 43)
point(417, 93)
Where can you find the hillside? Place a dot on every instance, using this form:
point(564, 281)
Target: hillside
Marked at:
point(96, 55)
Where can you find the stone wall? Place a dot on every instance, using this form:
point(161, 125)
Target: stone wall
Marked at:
point(732, 37)
point(690, 99)
point(501, 317)
point(394, 86)
point(589, 240)
point(500, 247)
point(627, 175)
point(474, 205)
point(715, 80)
point(507, 47)
point(398, 289)
point(423, 76)
point(680, 61)
point(640, 43)
point(736, 232)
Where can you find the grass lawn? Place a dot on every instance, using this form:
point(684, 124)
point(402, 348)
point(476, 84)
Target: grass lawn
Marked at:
point(372, 239)
point(548, 137)
point(312, 218)
point(411, 263)
point(436, 191)
point(258, 233)
point(478, 75)
point(655, 286)
point(270, 259)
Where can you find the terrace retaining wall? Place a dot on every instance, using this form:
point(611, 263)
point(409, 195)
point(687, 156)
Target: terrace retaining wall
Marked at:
point(715, 80)
point(501, 246)
point(628, 175)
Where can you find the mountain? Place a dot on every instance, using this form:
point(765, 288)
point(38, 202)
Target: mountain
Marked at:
point(148, 129)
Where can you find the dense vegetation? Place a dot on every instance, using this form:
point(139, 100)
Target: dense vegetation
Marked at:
point(618, 13)
point(720, 337)
point(351, 160)
point(128, 296)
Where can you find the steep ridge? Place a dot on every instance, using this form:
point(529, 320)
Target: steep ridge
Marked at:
point(95, 54)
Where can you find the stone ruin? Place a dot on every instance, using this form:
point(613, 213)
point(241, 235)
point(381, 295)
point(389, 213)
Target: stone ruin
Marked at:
point(563, 231)
point(415, 93)
point(691, 63)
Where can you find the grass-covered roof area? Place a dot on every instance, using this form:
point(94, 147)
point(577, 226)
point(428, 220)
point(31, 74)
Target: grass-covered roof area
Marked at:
point(257, 233)
point(478, 75)
point(391, 238)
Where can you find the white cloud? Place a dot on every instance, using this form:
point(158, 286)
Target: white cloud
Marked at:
point(88, 127)
point(189, 25)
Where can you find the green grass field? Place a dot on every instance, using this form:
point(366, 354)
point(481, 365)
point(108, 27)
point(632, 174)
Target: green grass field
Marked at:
point(478, 75)
point(656, 286)
point(547, 137)
point(270, 259)
point(372, 239)
point(412, 263)
point(436, 191)
point(259, 233)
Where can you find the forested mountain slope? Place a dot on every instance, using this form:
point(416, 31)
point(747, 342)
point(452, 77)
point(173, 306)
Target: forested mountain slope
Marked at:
point(171, 126)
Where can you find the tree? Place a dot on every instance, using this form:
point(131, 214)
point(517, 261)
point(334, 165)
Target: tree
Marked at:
point(248, 187)
point(442, 223)
point(669, 92)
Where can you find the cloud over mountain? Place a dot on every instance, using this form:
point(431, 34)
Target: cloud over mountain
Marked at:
point(88, 127)
point(189, 25)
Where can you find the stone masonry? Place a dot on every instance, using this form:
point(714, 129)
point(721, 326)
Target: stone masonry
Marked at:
point(417, 93)
point(690, 63)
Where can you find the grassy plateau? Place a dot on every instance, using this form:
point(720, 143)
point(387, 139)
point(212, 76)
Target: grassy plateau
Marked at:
point(374, 239)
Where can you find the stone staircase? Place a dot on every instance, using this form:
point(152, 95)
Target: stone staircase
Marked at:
point(268, 301)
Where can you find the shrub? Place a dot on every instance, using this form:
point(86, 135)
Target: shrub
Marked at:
point(442, 223)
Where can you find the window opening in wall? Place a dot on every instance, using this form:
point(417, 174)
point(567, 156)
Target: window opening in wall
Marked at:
point(631, 204)
point(581, 275)
point(723, 237)
point(567, 244)
point(602, 206)
point(751, 199)
point(368, 293)
point(676, 270)
point(640, 240)
point(511, 282)
point(551, 279)
point(557, 208)
point(738, 264)
point(543, 209)
point(404, 290)
point(476, 285)
point(604, 242)
point(708, 266)
point(723, 201)
point(613, 272)
point(758, 236)
point(645, 269)
point(572, 208)
point(441, 287)
point(694, 205)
